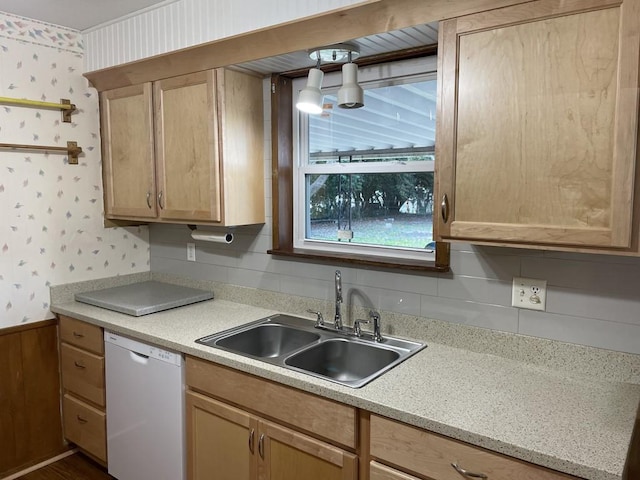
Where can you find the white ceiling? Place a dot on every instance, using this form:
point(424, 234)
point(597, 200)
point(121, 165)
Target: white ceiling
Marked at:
point(76, 14)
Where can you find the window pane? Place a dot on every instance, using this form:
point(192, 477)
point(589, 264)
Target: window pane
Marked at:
point(382, 209)
point(398, 122)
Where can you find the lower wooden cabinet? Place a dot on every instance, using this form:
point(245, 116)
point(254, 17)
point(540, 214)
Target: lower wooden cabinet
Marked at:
point(285, 454)
point(431, 456)
point(83, 402)
point(220, 440)
point(85, 426)
point(227, 442)
point(377, 471)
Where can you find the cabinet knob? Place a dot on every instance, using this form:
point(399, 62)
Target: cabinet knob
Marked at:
point(444, 208)
point(81, 419)
point(77, 334)
point(467, 473)
point(78, 364)
point(160, 200)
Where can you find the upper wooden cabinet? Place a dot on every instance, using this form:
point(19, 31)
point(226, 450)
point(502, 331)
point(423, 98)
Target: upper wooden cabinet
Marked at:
point(538, 124)
point(186, 149)
point(127, 152)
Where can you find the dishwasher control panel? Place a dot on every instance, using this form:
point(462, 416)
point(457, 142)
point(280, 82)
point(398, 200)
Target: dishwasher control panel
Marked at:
point(143, 349)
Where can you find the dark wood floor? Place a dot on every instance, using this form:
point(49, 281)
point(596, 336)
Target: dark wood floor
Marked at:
point(73, 467)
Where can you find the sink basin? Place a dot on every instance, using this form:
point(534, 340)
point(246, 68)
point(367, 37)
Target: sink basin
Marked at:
point(343, 360)
point(294, 343)
point(268, 340)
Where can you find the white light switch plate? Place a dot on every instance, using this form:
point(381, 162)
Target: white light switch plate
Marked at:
point(529, 293)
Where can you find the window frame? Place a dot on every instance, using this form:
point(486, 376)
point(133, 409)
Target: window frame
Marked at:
point(282, 184)
point(391, 73)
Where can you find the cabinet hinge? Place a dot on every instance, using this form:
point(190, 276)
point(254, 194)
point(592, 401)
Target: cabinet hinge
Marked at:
point(273, 87)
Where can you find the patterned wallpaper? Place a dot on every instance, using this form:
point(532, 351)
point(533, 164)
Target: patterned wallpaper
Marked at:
point(51, 224)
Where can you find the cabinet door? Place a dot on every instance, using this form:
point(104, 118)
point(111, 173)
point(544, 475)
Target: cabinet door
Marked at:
point(221, 441)
point(127, 147)
point(186, 154)
point(538, 121)
point(288, 455)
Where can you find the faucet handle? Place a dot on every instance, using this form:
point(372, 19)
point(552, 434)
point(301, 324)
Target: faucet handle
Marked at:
point(375, 318)
point(319, 318)
point(357, 329)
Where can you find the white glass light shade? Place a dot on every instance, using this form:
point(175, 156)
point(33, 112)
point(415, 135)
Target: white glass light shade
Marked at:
point(310, 98)
point(350, 94)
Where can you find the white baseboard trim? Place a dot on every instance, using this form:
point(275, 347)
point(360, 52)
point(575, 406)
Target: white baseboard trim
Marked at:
point(40, 465)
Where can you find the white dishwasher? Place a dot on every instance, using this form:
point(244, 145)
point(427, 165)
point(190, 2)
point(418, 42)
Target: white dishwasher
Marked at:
point(145, 410)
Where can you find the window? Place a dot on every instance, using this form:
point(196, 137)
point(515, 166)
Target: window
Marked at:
point(363, 178)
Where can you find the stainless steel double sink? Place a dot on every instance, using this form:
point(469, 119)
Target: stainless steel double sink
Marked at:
point(296, 344)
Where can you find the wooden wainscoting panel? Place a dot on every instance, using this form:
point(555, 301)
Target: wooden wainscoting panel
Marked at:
point(42, 392)
point(11, 408)
point(30, 423)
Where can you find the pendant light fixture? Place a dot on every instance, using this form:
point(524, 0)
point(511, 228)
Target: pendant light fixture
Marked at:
point(310, 98)
point(350, 95)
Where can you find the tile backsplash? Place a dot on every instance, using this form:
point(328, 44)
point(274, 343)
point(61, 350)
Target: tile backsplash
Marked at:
point(52, 227)
point(476, 292)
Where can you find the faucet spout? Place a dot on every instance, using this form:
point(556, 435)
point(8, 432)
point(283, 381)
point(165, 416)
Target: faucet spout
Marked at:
point(338, 290)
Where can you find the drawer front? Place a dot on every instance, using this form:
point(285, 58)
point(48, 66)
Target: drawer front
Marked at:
point(81, 334)
point(83, 373)
point(318, 416)
point(431, 455)
point(377, 471)
point(85, 426)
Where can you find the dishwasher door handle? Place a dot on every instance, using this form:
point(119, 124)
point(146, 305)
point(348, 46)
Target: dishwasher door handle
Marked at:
point(139, 358)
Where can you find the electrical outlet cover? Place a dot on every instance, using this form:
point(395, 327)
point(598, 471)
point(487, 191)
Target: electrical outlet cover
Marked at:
point(191, 252)
point(530, 293)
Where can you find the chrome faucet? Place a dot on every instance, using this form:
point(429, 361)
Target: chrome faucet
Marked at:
point(337, 320)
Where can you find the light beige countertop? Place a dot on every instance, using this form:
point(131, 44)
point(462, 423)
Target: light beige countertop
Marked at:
point(568, 422)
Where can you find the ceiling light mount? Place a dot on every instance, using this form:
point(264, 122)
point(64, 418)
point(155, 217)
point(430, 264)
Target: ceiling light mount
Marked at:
point(337, 53)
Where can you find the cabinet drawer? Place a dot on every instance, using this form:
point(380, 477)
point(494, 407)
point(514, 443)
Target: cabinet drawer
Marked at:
point(85, 426)
point(431, 455)
point(83, 373)
point(81, 334)
point(377, 471)
point(318, 416)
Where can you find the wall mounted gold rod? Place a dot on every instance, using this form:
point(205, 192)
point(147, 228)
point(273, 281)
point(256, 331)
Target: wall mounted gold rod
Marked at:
point(72, 149)
point(65, 105)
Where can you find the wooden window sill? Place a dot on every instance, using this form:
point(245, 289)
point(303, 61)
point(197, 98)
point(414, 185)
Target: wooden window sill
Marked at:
point(366, 260)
